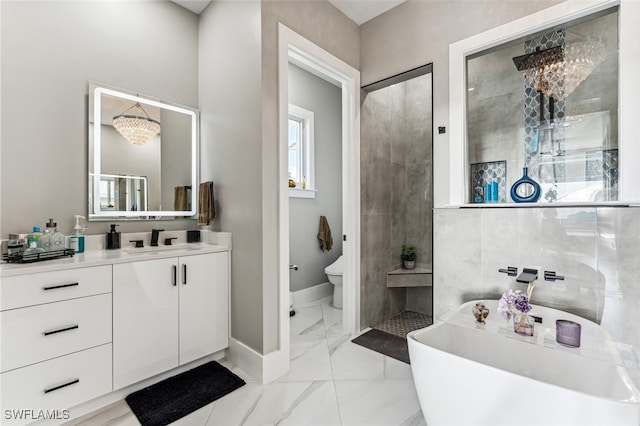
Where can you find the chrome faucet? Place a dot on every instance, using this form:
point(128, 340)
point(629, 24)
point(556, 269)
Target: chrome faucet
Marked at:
point(154, 237)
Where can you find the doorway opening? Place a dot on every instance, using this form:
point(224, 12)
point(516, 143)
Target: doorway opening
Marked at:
point(295, 49)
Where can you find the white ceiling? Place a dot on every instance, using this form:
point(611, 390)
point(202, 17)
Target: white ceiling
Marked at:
point(359, 11)
point(196, 6)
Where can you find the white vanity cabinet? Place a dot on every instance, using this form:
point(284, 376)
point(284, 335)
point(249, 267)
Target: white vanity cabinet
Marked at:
point(56, 339)
point(168, 312)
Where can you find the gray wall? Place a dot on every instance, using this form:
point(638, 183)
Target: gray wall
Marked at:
point(325, 100)
point(175, 145)
point(229, 78)
point(50, 51)
point(396, 140)
point(323, 24)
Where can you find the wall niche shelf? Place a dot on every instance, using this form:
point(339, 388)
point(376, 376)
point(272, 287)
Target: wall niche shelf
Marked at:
point(418, 277)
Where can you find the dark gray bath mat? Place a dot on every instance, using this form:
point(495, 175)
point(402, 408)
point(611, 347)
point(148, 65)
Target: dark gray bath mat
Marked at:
point(384, 343)
point(177, 396)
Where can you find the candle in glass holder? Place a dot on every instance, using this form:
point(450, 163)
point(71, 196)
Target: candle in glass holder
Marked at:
point(568, 333)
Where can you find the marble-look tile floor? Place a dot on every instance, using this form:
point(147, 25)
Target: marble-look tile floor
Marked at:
point(331, 382)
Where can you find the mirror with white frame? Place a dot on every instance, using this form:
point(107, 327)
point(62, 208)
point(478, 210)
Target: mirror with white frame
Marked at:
point(145, 154)
point(522, 96)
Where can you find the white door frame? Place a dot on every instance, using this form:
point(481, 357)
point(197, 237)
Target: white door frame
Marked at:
point(294, 48)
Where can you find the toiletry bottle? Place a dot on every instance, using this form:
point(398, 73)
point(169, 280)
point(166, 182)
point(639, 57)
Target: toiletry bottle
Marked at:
point(494, 191)
point(478, 192)
point(76, 241)
point(33, 246)
point(36, 234)
point(51, 225)
point(46, 240)
point(58, 239)
point(113, 238)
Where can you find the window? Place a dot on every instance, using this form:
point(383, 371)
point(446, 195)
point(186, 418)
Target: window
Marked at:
point(530, 104)
point(300, 154)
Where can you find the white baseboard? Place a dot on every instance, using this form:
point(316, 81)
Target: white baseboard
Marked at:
point(244, 357)
point(264, 368)
point(311, 294)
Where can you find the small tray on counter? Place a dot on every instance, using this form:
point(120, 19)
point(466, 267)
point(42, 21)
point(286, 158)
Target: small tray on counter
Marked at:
point(37, 257)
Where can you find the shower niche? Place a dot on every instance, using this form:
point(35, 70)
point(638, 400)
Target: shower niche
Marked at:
point(396, 171)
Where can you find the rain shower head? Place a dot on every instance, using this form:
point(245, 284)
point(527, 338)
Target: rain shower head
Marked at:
point(539, 58)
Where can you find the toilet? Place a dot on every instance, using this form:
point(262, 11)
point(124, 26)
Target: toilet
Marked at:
point(334, 273)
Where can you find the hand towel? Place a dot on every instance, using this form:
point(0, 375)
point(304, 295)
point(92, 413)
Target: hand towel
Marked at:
point(180, 198)
point(324, 235)
point(206, 205)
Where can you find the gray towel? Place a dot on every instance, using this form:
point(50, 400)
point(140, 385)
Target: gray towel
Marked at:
point(324, 235)
point(206, 204)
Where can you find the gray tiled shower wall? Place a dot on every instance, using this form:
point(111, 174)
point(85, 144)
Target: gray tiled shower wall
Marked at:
point(597, 249)
point(396, 170)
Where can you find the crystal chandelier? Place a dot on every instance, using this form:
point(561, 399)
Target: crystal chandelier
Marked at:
point(558, 71)
point(136, 125)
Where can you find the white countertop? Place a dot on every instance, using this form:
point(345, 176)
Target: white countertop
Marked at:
point(97, 256)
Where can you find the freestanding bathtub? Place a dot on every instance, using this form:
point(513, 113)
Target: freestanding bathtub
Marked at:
point(485, 374)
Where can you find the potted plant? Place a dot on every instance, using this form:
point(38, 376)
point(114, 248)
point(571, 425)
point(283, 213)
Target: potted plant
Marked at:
point(409, 256)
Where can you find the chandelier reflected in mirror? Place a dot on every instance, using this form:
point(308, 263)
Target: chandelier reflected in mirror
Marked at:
point(136, 125)
point(558, 71)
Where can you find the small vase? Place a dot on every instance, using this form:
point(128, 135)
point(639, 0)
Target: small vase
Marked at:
point(409, 264)
point(523, 324)
point(525, 189)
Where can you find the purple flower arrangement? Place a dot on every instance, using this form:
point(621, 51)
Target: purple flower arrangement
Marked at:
point(513, 301)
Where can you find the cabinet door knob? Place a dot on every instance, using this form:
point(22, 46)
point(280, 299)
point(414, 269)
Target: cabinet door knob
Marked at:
point(184, 274)
point(174, 277)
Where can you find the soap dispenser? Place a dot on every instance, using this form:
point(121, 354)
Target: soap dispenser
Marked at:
point(76, 241)
point(113, 238)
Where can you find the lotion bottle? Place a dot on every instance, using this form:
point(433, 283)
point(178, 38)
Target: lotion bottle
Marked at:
point(76, 241)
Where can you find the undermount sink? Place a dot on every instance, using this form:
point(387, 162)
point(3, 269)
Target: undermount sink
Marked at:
point(149, 249)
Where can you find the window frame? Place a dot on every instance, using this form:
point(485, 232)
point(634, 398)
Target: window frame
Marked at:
point(628, 93)
point(306, 157)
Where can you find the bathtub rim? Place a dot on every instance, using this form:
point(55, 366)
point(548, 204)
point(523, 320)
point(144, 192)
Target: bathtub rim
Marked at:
point(633, 389)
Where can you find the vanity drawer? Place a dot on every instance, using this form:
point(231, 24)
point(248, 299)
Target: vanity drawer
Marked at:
point(45, 287)
point(57, 384)
point(38, 333)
